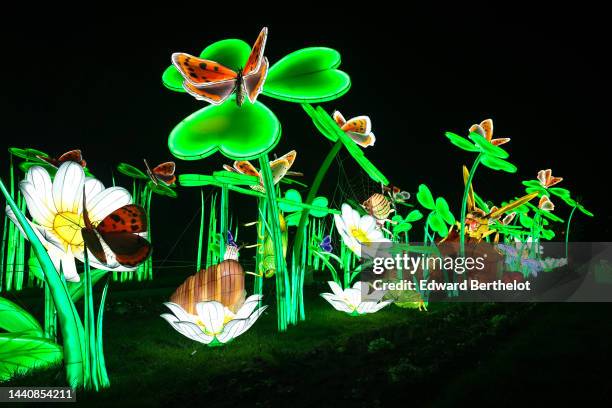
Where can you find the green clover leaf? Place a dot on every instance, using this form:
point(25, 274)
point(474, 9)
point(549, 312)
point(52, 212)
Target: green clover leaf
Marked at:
point(444, 211)
point(461, 142)
point(161, 189)
point(305, 76)
point(308, 75)
point(131, 171)
point(487, 147)
point(239, 133)
point(425, 198)
point(27, 154)
point(496, 163)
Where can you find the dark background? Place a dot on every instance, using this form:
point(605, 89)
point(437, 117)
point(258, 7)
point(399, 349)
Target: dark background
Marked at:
point(95, 84)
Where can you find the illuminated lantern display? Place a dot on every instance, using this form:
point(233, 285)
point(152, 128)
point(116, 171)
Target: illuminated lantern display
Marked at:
point(210, 306)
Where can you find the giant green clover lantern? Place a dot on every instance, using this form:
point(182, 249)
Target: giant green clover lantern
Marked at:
point(252, 130)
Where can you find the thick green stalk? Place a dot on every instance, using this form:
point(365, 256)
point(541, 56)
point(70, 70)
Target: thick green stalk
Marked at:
point(314, 189)
point(224, 218)
point(464, 203)
point(201, 236)
point(567, 230)
point(281, 267)
point(70, 324)
point(50, 315)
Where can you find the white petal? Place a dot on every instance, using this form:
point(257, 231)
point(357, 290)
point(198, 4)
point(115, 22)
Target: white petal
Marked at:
point(93, 187)
point(106, 202)
point(347, 215)
point(179, 312)
point(231, 330)
point(68, 188)
point(380, 305)
point(211, 314)
point(43, 185)
point(336, 303)
point(336, 288)
point(367, 224)
point(69, 267)
point(236, 327)
point(39, 210)
point(353, 296)
point(248, 306)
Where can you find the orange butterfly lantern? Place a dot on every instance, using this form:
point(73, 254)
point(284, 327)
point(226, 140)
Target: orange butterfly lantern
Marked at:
point(117, 236)
point(72, 155)
point(213, 82)
point(546, 178)
point(485, 129)
point(163, 173)
point(279, 167)
point(359, 129)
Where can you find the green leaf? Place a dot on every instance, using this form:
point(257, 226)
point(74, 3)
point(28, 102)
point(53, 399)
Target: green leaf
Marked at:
point(486, 147)
point(319, 202)
point(236, 179)
point(532, 183)
point(27, 165)
point(461, 142)
point(413, 216)
point(308, 75)
point(161, 189)
point(560, 192)
point(425, 198)
point(403, 227)
point(28, 154)
point(172, 79)
point(76, 289)
point(496, 163)
point(14, 319)
point(585, 211)
point(34, 266)
point(319, 122)
point(131, 171)
point(398, 219)
point(239, 133)
point(444, 211)
point(548, 234)
point(20, 354)
point(437, 224)
point(526, 221)
point(197, 180)
point(292, 195)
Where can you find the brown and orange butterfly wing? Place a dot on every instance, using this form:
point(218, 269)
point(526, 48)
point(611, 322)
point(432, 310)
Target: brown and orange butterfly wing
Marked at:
point(129, 249)
point(74, 156)
point(339, 119)
point(256, 56)
point(199, 71)
point(253, 82)
point(487, 126)
point(165, 172)
point(130, 218)
point(92, 241)
point(359, 124)
point(119, 231)
point(246, 167)
point(215, 92)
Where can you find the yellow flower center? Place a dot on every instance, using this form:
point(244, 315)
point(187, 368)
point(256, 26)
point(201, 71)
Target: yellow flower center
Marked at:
point(67, 226)
point(360, 235)
point(226, 320)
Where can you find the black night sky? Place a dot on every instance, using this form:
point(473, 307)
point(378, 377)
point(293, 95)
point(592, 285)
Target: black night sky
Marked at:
point(96, 85)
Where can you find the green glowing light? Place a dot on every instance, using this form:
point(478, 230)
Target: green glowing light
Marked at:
point(308, 75)
point(240, 133)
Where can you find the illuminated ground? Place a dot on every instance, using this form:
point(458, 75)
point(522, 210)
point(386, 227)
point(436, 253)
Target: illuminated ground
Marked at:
point(451, 354)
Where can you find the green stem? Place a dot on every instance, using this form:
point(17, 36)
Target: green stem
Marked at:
point(224, 217)
point(314, 189)
point(464, 203)
point(201, 236)
point(281, 266)
point(567, 230)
